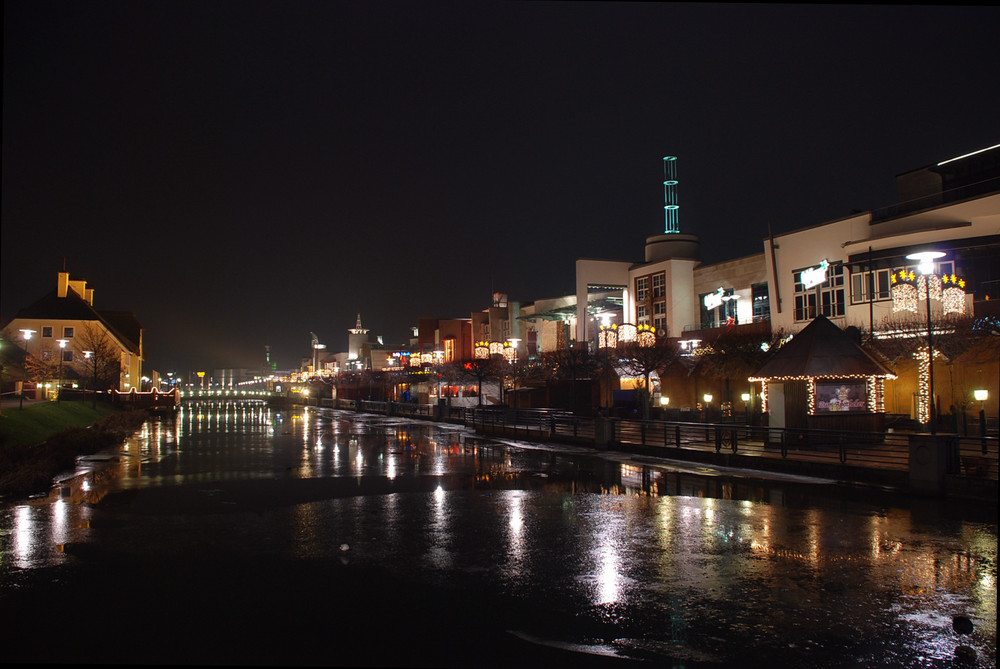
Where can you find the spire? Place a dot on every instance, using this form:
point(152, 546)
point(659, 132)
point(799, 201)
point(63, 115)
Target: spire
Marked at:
point(357, 329)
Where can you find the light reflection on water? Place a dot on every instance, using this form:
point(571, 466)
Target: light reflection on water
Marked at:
point(696, 564)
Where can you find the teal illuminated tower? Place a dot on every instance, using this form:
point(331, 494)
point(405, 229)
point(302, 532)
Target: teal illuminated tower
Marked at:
point(671, 210)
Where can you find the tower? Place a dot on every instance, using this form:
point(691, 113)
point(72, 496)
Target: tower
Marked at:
point(356, 340)
point(671, 210)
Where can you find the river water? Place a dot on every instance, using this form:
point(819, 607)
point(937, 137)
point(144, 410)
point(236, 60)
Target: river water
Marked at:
point(236, 534)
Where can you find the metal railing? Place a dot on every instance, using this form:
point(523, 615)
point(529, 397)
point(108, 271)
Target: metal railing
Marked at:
point(887, 451)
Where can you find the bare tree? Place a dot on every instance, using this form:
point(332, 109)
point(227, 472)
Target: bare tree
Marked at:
point(101, 357)
point(641, 361)
point(737, 355)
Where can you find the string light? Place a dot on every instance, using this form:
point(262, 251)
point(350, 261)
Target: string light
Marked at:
point(626, 332)
point(482, 350)
point(647, 335)
point(608, 336)
point(876, 385)
point(924, 384)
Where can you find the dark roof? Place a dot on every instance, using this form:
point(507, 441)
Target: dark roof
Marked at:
point(126, 326)
point(821, 349)
point(122, 324)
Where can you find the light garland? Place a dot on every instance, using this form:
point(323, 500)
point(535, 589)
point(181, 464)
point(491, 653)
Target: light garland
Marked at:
point(875, 387)
point(908, 289)
point(924, 385)
point(482, 350)
point(496, 348)
point(626, 332)
point(647, 335)
point(509, 352)
point(953, 300)
point(608, 336)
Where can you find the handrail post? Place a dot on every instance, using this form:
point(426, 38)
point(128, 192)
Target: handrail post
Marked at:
point(718, 439)
point(734, 432)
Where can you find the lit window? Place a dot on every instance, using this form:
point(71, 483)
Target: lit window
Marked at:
point(660, 285)
point(642, 289)
point(826, 298)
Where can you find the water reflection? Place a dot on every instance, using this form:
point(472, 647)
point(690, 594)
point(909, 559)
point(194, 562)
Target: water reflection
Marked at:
point(677, 563)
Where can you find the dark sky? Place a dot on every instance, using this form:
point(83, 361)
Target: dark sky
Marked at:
point(241, 173)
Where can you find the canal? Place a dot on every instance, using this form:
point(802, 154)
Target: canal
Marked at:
point(232, 533)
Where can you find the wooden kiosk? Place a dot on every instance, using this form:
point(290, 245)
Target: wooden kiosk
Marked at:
point(823, 380)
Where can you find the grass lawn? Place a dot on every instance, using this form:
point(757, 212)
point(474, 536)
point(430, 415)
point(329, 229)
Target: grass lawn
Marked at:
point(36, 423)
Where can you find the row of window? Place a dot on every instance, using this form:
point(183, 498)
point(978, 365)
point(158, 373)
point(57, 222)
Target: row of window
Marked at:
point(828, 298)
point(658, 282)
point(68, 331)
point(67, 355)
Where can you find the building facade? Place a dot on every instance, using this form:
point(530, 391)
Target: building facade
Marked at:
point(64, 334)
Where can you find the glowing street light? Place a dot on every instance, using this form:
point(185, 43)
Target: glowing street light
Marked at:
point(926, 266)
point(62, 347)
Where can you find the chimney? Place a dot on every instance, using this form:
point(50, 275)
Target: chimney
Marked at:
point(63, 284)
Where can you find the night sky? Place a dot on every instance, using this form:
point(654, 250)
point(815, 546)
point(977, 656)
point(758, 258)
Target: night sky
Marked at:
point(240, 174)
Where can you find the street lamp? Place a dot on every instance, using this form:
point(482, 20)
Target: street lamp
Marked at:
point(926, 266)
point(708, 404)
point(26, 334)
point(607, 338)
point(981, 394)
point(62, 347)
point(746, 405)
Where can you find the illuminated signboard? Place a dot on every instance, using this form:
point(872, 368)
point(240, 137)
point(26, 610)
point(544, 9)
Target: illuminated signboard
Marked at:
point(712, 300)
point(814, 275)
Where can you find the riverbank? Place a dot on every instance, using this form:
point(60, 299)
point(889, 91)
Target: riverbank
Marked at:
point(45, 438)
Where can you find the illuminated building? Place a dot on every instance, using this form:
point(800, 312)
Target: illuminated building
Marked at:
point(68, 313)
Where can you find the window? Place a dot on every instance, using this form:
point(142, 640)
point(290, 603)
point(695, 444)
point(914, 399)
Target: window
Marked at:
point(67, 355)
point(826, 298)
point(659, 285)
point(68, 332)
point(449, 349)
point(46, 355)
point(642, 289)
point(642, 313)
point(47, 331)
point(862, 288)
point(722, 310)
point(660, 316)
point(761, 303)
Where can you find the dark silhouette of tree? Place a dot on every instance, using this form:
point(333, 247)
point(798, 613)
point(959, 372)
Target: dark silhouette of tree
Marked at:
point(570, 364)
point(641, 361)
point(99, 355)
point(736, 354)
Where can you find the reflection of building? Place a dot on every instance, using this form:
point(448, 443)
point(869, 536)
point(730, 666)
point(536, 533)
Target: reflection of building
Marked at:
point(68, 314)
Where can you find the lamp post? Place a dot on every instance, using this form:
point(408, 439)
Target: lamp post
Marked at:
point(607, 338)
point(62, 347)
point(982, 395)
point(708, 405)
point(926, 266)
point(514, 341)
point(746, 405)
point(26, 334)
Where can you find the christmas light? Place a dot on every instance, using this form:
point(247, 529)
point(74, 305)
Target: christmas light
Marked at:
point(608, 336)
point(482, 350)
point(923, 382)
point(875, 392)
point(626, 332)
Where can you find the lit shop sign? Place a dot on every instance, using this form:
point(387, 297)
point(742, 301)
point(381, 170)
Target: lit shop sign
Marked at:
point(814, 275)
point(712, 300)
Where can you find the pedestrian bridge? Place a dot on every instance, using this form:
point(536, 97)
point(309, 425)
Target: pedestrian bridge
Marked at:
point(225, 395)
